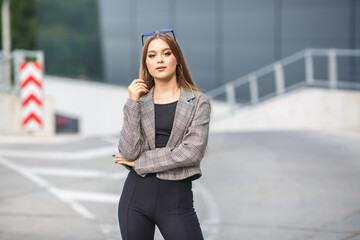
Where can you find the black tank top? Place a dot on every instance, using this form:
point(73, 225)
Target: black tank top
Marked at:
point(164, 119)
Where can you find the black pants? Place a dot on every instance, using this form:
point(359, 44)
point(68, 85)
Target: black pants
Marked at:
point(168, 204)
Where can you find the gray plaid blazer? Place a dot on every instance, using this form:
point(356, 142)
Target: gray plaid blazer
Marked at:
point(185, 149)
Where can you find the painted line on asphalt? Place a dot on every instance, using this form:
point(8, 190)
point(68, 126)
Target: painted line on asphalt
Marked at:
point(54, 140)
point(70, 197)
point(66, 156)
point(65, 172)
point(91, 196)
point(76, 173)
point(112, 140)
point(210, 224)
point(53, 190)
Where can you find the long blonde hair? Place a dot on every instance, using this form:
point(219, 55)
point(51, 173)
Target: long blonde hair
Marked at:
point(183, 76)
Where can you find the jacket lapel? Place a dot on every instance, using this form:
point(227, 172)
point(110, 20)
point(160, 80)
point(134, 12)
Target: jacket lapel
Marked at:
point(183, 112)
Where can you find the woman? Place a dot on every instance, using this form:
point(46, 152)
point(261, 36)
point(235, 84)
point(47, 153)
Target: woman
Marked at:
point(162, 141)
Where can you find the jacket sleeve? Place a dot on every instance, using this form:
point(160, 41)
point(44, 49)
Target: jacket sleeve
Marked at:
point(131, 140)
point(190, 151)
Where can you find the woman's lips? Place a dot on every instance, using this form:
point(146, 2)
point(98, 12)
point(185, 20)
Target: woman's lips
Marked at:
point(160, 68)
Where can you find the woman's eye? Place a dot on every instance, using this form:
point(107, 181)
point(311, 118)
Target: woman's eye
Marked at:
point(167, 53)
point(151, 55)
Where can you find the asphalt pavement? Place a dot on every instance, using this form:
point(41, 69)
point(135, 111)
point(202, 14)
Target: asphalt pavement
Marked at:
point(276, 185)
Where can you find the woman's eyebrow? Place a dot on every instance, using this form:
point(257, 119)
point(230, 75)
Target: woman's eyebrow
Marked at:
point(165, 49)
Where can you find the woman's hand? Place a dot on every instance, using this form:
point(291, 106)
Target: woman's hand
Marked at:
point(137, 88)
point(121, 160)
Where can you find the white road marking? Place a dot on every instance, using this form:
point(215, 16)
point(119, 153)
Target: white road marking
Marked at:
point(80, 209)
point(210, 224)
point(66, 156)
point(66, 172)
point(117, 175)
point(76, 173)
point(90, 196)
point(53, 140)
point(41, 182)
point(109, 228)
point(53, 190)
point(111, 140)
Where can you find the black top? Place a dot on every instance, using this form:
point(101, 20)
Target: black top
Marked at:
point(164, 119)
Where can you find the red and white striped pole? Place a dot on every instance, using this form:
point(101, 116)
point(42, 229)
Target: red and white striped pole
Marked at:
point(31, 77)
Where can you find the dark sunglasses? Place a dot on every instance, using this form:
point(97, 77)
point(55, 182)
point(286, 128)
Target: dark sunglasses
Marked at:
point(144, 35)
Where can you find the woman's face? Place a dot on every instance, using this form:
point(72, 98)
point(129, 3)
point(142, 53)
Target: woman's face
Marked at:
point(160, 60)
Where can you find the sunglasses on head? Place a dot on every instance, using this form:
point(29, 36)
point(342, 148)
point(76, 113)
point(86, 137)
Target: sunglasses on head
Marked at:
point(144, 35)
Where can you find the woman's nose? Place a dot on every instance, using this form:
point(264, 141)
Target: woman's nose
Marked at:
point(160, 58)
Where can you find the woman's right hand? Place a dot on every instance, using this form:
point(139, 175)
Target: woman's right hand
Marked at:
point(137, 88)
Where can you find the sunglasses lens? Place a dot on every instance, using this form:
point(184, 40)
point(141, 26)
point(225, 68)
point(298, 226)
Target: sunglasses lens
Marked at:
point(148, 34)
point(153, 32)
point(165, 31)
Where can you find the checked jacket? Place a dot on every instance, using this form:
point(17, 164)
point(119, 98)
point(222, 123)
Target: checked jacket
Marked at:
point(185, 149)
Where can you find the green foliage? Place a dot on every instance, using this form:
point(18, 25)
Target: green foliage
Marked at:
point(23, 24)
point(68, 32)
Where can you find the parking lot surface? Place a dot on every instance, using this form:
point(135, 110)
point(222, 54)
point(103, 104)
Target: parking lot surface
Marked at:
point(293, 185)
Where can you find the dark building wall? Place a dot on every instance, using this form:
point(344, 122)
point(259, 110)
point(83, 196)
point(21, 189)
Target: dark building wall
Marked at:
point(319, 24)
point(224, 39)
point(68, 33)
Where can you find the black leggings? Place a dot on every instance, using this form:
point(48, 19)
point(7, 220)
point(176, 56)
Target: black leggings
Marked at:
point(148, 201)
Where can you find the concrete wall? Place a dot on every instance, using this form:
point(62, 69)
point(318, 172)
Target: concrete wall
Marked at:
point(308, 108)
point(97, 106)
point(10, 116)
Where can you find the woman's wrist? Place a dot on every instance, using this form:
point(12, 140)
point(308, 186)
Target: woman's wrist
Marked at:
point(134, 99)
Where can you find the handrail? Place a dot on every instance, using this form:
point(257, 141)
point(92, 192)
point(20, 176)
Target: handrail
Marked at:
point(278, 70)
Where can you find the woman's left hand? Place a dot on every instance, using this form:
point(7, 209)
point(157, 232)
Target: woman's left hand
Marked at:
point(121, 160)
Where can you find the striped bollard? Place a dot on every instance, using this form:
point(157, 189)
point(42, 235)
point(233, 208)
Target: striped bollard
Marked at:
point(31, 76)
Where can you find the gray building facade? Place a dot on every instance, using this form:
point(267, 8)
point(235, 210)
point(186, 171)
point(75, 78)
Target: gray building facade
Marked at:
point(224, 39)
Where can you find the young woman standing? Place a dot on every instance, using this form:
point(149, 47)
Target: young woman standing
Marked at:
point(162, 141)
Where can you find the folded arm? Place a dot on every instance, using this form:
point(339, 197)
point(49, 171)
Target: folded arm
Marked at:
point(188, 153)
point(131, 140)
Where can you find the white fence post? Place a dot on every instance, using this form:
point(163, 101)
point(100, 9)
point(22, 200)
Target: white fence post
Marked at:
point(230, 96)
point(279, 78)
point(332, 71)
point(309, 67)
point(253, 89)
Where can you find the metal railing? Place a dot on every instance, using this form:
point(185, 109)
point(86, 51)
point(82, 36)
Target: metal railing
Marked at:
point(326, 68)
